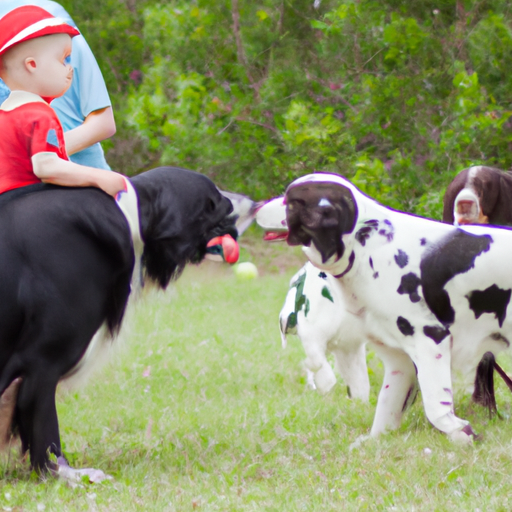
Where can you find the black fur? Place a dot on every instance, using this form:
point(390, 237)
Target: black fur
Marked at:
point(491, 300)
point(483, 393)
point(453, 255)
point(67, 261)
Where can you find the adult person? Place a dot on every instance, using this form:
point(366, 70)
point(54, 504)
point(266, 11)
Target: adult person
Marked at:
point(85, 111)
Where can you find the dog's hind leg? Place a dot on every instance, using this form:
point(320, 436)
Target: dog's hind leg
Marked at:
point(7, 406)
point(352, 366)
point(433, 360)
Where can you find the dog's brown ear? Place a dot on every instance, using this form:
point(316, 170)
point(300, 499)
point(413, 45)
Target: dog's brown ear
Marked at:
point(320, 212)
point(458, 183)
point(487, 184)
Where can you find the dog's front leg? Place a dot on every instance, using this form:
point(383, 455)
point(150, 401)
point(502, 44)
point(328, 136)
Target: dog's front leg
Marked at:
point(433, 361)
point(399, 389)
point(36, 417)
point(316, 359)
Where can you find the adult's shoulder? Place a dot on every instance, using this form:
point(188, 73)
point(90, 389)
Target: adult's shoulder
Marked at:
point(52, 7)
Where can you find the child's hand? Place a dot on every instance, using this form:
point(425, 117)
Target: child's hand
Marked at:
point(111, 182)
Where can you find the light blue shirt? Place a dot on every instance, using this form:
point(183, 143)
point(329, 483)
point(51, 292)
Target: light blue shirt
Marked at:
point(88, 91)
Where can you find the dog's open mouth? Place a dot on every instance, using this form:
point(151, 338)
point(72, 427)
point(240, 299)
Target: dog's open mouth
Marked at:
point(271, 216)
point(223, 248)
point(275, 236)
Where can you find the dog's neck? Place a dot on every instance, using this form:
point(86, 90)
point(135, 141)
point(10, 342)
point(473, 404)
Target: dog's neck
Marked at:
point(128, 203)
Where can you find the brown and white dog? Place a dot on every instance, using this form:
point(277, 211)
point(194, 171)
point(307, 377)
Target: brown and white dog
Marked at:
point(479, 195)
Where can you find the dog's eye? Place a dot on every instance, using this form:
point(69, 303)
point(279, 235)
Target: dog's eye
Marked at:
point(296, 203)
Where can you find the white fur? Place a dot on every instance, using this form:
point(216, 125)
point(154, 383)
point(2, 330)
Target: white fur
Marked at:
point(381, 304)
point(327, 328)
point(324, 326)
point(102, 345)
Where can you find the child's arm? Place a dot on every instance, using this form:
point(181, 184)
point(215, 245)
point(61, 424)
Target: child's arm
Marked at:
point(49, 168)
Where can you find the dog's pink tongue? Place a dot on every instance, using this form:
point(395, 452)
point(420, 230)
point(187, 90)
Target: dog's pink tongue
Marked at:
point(226, 246)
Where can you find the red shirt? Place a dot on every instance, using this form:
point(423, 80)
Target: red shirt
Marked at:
point(31, 127)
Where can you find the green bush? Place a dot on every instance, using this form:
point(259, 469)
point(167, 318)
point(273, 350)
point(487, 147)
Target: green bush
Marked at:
point(397, 95)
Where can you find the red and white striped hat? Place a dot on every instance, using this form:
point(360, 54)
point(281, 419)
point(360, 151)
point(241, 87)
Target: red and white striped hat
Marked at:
point(29, 22)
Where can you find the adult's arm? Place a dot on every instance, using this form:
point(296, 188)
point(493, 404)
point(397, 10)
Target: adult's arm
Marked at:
point(97, 126)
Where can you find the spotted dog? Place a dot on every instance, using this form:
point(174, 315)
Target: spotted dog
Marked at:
point(431, 296)
point(312, 310)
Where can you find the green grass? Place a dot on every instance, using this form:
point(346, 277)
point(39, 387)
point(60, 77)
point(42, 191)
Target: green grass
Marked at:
point(203, 410)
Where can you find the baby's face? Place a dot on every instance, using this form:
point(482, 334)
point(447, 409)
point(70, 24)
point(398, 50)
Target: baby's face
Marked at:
point(53, 71)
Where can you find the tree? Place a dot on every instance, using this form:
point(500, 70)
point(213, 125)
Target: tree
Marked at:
point(396, 95)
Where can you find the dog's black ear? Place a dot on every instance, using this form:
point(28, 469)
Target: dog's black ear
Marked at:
point(210, 205)
point(180, 211)
point(346, 203)
point(297, 234)
point(320, 212)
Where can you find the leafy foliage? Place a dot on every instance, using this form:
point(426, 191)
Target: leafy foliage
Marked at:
point(397, 95)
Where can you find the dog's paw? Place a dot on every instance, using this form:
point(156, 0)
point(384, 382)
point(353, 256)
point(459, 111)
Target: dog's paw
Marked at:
point(325, 379)
point(93, 476)
point(465, 435)
point(359, 441)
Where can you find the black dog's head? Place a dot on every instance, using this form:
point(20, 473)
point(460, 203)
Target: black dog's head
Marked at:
point(320, 212)
point(180, 212)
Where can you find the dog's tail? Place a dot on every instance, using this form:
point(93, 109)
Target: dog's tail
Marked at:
point(483, 393)
point(484, 382)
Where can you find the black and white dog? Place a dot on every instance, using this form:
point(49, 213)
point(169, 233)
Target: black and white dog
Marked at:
point(431, 297)
point(67, 262)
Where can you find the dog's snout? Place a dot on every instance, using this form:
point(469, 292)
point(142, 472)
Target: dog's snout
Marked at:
point(325, 203)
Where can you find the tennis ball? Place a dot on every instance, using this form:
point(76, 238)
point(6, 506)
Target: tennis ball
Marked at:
point(246, 271)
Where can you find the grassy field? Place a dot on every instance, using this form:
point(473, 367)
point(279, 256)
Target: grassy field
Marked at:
point(203, 410)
